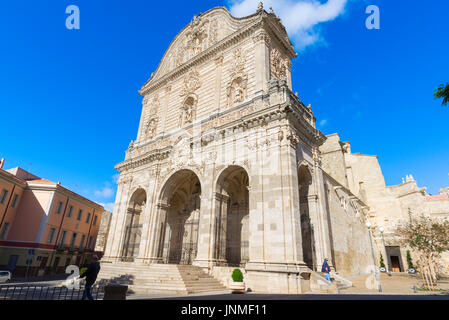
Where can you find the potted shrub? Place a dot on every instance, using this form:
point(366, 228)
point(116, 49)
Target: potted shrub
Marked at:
point(382, 264)
point(411, 268)
point(237, 285)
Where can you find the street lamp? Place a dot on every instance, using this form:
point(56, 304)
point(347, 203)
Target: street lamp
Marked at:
point(381, 229)
point(376, 272)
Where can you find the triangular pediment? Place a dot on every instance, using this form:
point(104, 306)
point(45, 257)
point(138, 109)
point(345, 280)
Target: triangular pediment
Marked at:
point(201, 33)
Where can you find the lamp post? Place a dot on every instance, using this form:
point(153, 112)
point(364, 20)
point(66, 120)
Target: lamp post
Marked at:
point(376, 272)
point(381, 229)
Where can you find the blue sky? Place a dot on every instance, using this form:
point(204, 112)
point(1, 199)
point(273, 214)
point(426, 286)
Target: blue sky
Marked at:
point(69, 101)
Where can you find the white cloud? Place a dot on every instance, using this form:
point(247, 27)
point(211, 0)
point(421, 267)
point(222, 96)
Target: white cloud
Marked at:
point(106, 192)
point(108, 206)
point(301, 18)
point(322, 122)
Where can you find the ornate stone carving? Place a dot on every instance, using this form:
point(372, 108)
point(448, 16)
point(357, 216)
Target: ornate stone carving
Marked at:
point(151, 127)
point(131, 145)
point(236, 90)
point(188, 110)
point(278, 64)
point(213, 32)
point(293, 138)
point(262, 36)
point(196, 35)
point(316, 156)
point(219, 60)
point(191, 83)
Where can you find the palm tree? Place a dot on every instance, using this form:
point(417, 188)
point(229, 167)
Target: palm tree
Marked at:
point(442, 92)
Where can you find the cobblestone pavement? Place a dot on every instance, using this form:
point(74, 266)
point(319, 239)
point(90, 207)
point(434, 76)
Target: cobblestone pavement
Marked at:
point(397, 283)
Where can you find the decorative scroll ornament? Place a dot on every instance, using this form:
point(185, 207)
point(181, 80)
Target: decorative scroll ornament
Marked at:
point(278, 64)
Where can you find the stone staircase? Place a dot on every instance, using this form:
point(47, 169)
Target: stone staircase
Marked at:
point(158, 278)
point(319, 284)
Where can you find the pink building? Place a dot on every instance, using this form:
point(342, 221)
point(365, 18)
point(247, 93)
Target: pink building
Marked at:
point(44, 227)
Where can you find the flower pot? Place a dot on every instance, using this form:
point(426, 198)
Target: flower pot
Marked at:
point(237, 287)
point(382, 269)
point(411, 271)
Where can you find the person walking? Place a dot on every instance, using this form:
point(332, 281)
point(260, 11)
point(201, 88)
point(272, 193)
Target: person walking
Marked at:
point(326, 269)
point(91, 276)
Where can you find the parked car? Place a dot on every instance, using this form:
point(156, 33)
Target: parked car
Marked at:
point(5, 276)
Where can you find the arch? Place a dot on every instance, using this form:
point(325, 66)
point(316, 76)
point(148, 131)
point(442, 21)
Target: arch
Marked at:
point(307, 233)
point(133, 224)
point(219, 176)
point(231, 212)
point(179, 211)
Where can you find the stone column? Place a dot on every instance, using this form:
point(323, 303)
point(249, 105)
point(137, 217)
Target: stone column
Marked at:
point(262, 61)
point(166, 102)
point(218, 72)
point(112, 252)
point(220, 215)
point(157, 236)
point(205, 251)
point(324, 245)
point(148, 229)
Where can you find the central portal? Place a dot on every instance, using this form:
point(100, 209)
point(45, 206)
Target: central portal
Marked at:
point(181, 215)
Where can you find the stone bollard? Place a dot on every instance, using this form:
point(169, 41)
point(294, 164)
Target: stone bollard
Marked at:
point(115, 292)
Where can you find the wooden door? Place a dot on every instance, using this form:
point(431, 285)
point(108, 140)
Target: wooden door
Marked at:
point(395, 265)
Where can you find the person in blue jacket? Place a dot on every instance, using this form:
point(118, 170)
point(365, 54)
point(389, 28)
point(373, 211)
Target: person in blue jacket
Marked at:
point(326, 269)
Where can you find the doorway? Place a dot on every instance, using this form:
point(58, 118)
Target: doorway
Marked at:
point(395, 265)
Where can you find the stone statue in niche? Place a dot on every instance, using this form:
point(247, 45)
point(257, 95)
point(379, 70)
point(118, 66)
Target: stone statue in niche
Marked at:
point(152, 126)
point(187, 112)
point(238, 95)
point(236, 91)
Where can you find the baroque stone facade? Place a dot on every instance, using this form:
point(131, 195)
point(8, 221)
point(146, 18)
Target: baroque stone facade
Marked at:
point(226, 168)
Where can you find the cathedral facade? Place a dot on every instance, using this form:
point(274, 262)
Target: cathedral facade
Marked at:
point(226, 170)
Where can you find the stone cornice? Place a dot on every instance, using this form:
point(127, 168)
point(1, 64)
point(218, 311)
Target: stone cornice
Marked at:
point(156, 154)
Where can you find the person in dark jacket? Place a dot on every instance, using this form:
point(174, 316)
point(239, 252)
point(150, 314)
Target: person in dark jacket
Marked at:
point(91, 276)
point(326, 269)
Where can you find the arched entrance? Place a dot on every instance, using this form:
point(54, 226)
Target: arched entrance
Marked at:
point(133, 225)
point(232, 217)
point(304, 186)
point(180, 210)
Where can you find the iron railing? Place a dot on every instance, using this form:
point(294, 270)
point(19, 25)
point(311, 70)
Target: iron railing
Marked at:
point(27, 292)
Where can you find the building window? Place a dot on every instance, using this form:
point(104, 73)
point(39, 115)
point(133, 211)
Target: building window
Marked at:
point(14, 200)
point(95, 220)
point(88, 217)
point(69, 214)
point(5, 230)
point(51, 235)
point(58, 211)
point(64, 233)
point(80, 214)
point(4, 195)
point(83, 238)
point(91, 240)
point(72, 244)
